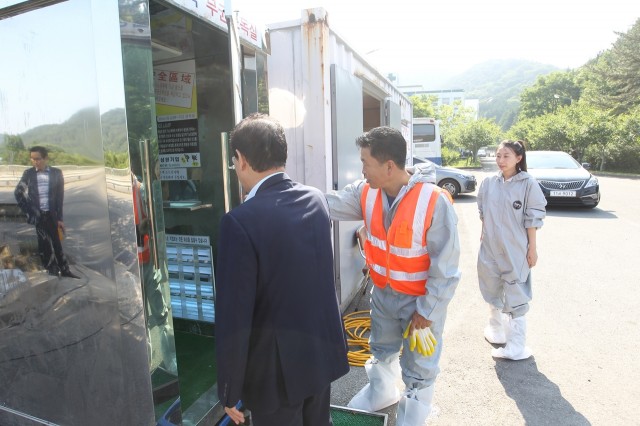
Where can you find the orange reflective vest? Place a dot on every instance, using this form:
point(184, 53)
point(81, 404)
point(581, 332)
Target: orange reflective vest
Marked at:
point(139, 213)
point(399, 257)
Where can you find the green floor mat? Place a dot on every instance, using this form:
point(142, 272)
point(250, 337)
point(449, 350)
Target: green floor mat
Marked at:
point(197, 372)
point(159, 380)
point(347, 417)
point(196, 366)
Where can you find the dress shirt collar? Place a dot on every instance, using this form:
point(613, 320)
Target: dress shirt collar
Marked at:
point(253, 191)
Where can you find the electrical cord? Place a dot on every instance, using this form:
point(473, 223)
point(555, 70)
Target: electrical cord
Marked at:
point(358, 326)
point(358, 323)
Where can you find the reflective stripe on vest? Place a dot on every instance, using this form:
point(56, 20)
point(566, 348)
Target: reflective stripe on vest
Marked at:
point(400, 256)
point(144, 252)
point(138, 207)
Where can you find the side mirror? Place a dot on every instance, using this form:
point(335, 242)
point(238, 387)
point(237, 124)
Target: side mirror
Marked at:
point(586, 165)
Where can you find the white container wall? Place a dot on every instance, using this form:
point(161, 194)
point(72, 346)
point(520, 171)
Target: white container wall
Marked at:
point(326, 95)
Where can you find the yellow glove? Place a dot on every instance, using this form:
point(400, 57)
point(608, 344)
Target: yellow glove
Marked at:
point(421, 338)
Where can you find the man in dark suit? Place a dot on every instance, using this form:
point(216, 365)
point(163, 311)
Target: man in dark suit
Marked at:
point(280, 340)
point(40, 194)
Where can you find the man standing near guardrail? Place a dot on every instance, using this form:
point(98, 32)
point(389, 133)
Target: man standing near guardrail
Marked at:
point(40, 194)
point(412, 253)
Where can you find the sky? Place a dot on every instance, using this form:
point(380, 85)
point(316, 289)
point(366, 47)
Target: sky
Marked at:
point(422, 42)
point(434, 39)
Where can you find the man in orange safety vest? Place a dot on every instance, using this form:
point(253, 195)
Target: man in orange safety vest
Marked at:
point(412, 252)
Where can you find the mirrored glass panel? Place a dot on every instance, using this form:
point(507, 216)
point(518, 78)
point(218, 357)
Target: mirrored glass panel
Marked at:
point(74, 348)
point(146, 190)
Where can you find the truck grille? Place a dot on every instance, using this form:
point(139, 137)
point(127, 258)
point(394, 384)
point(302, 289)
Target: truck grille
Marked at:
point(552, 185)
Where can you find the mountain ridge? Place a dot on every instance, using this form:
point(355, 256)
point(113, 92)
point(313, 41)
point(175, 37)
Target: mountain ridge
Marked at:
point(497, 84)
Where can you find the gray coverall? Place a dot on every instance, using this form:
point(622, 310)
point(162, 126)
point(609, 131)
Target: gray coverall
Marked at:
point(391, 311)
point(507, 209)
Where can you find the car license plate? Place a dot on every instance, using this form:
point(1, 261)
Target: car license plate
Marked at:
point(563, 193)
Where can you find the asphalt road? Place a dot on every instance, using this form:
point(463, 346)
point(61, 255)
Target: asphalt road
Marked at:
point(582, 327)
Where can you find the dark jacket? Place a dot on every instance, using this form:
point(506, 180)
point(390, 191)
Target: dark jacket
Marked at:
point(28, 199)
point(279, 334)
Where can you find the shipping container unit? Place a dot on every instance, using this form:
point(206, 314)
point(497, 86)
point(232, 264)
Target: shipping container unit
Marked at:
point(326, 95)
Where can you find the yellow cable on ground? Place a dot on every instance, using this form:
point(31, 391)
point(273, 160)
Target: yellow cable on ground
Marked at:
point(358, 325)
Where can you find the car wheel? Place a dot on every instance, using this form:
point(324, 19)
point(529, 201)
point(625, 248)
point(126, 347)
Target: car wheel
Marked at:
point(450, 185)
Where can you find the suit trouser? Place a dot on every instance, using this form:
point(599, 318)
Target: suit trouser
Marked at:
point(313, 411)
point(49, 245)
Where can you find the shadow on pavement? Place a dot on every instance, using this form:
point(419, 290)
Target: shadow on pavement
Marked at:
point(539, 399)
point(466, 199)
point(580, 212)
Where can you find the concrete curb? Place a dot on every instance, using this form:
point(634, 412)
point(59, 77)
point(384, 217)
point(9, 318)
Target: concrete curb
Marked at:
point(614, 174)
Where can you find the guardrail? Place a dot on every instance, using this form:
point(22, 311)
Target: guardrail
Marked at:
point(116, 179)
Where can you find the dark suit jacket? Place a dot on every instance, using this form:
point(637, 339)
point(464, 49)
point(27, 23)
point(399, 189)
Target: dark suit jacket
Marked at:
point(279, 334)
point(28, 199)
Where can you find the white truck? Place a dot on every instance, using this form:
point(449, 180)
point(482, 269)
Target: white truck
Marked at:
point(427, 141)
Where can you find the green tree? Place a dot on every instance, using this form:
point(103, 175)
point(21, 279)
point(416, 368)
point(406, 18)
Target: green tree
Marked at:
point(614, 76)
point(14, 143)
point(451, 116)
point(14, 150)
point(116, 160)
point(544, 132)
point(475, 134)
point(597, 86)
point(549, 93)
point(424, 105)
point(575, 129)
point(623, 152)
point(588, 126)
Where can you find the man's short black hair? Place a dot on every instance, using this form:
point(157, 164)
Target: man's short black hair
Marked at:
point(41, 150)
point(385, 143)
point(261, 140)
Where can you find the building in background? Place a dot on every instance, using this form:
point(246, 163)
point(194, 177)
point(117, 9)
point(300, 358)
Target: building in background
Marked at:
point(443, 97)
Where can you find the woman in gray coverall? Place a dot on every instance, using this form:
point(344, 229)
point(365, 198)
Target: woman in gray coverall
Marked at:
point(512, 207)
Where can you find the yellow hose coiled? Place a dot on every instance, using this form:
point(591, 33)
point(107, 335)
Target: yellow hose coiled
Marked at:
point(358, 325)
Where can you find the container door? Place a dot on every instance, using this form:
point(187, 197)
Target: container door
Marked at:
point(346, 126)
point(393, 116)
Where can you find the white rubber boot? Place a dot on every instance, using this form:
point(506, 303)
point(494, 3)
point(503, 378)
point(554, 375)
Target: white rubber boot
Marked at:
point(381, 390)
point(415, 407)
point(515, 348)
point(168, 352)
point(494, 332)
